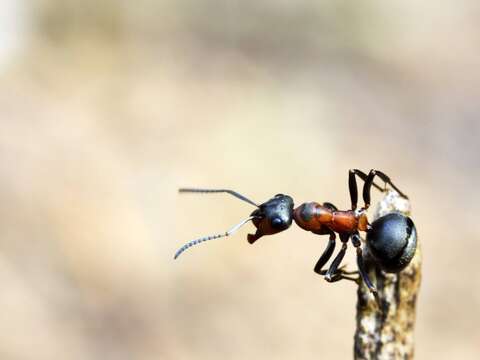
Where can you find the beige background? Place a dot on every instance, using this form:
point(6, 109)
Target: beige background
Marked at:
point(106, 108)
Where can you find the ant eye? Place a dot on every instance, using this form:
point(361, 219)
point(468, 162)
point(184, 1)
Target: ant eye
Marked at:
point(277, 223)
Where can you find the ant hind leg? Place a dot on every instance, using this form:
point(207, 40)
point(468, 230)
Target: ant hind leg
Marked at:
point(353, 188)
point(361, 266)
point(387, 180)
point(369, 182)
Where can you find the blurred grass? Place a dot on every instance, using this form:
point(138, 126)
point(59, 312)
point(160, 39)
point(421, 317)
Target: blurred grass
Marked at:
point(110, 107)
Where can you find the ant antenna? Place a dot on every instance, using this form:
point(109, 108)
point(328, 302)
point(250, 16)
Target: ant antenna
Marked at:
point(212, 237)
point(231, 192)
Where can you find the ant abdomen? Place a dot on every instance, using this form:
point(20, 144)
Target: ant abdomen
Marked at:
point(392, 241)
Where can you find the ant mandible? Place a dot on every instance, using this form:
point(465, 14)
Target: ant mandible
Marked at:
point(391, 239)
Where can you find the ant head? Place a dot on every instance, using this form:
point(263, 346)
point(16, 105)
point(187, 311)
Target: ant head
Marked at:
point(272, 217)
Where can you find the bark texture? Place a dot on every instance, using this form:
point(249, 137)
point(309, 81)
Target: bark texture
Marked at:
point(386, 331)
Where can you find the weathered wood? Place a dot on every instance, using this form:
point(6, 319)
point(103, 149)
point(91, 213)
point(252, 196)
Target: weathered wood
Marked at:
point(386, 332)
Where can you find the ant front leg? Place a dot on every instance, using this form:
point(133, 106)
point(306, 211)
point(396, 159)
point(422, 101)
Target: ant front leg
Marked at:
point(332, 270)
point(361, 265)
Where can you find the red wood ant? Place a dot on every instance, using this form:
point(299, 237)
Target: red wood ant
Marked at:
point(391, 239)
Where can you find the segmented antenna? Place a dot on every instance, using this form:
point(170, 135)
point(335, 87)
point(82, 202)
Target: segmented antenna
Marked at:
point(231, 192)
point(212, 237)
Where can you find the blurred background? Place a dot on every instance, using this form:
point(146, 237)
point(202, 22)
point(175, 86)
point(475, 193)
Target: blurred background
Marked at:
point(107, 107)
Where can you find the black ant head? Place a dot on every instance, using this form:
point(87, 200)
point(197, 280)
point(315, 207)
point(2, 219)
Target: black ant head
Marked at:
point(271, 217)
point(392, 241)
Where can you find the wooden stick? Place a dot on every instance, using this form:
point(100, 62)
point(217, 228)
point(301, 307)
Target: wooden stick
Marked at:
point(387, 332)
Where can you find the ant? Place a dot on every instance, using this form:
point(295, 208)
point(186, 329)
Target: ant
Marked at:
point(390, 240)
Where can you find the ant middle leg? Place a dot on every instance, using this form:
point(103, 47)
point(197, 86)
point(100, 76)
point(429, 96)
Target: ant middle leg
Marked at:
point(340, 273)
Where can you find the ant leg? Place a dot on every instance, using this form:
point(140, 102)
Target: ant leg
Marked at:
point(387, 180)
point(338, 259)
point(339, 276)
point(369, 182)
point(327, 254)
point(352, 185)
point(364, 176)
point(342, 275)
point(361, 265)
point(366, 188)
